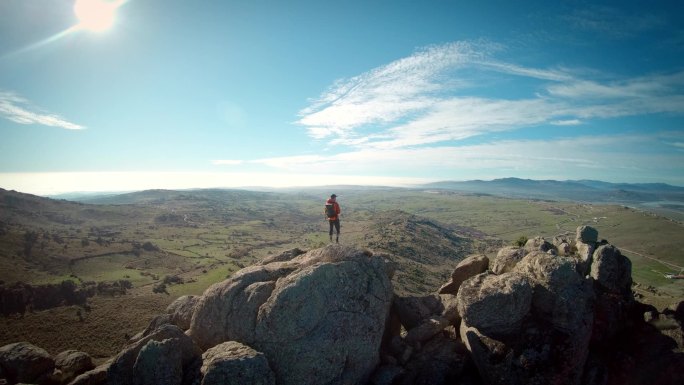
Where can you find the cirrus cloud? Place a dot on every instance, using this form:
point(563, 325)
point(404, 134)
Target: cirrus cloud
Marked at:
point(445, 93)
point(19, 110)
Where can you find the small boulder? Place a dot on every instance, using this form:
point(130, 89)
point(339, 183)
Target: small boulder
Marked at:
point(470, 266)
point(426, 330)
point(121, 370)
point(564, 249)
point(413, 310)
point(283, 257)
point(559, 239)
point(97, 376)
point(586, 234)
point(25, 362)
point(71, 363)
point(506, 259)
point(233, 363)
point(538, 244)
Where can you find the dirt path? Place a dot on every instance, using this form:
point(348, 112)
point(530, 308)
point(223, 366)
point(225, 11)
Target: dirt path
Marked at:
point(668, 264)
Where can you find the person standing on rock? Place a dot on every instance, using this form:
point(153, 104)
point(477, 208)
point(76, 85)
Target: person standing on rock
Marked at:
point(332, 213)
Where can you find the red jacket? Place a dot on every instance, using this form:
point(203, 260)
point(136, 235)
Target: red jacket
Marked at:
point(337, 209)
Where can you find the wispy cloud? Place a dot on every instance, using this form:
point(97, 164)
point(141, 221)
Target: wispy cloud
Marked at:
point(436, 96)
point(612, 157)
point(19, 110)
point(568, 122)
point(227, 162)
point(614, 23)
point(388, 93)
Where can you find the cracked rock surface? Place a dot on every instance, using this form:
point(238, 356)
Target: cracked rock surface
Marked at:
point(327, 306)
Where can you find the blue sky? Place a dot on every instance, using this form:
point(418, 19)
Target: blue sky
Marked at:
point(183, 94)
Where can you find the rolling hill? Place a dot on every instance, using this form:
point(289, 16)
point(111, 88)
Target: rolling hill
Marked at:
point(661, 198)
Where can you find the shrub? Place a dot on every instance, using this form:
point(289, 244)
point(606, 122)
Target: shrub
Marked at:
point(520, 242)
point(160, 288)
point(172, 280)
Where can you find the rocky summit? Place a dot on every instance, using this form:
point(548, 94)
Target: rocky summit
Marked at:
point(559, 312)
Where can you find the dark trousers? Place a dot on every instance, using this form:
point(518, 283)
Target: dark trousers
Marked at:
point(335, 223)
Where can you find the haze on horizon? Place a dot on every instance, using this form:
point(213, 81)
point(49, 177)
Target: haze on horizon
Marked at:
point(99, 95)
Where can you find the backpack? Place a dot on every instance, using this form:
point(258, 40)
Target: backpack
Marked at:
point(330, 210)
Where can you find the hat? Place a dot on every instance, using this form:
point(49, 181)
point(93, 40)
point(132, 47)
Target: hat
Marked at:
point(333, 196)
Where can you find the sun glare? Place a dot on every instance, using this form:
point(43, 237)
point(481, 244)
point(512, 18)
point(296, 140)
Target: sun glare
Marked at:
point(95, 15)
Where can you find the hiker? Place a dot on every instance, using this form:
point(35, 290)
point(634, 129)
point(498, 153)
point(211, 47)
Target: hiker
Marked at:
point(332, 213)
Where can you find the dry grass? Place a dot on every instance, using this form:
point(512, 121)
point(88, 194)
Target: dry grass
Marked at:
point(102, 332)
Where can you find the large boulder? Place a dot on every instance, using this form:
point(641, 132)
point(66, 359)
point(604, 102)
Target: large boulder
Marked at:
point(611, 270)
point(495, 304)
point(24, 362)
point(470, 266)
point(232, 363)
point(561, 296)
point(318, 317)
point(227, 311)
point(612, 274)
point(506, 259)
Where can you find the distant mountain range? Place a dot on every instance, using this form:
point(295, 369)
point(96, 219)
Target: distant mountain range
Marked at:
point(573, 190)
point(659, 197)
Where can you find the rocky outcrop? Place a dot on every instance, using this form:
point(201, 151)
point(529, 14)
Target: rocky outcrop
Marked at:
point(579, 305)
point(548, 337)
point(330, 316)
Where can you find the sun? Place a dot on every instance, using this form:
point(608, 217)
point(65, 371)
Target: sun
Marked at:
point(95, 15)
